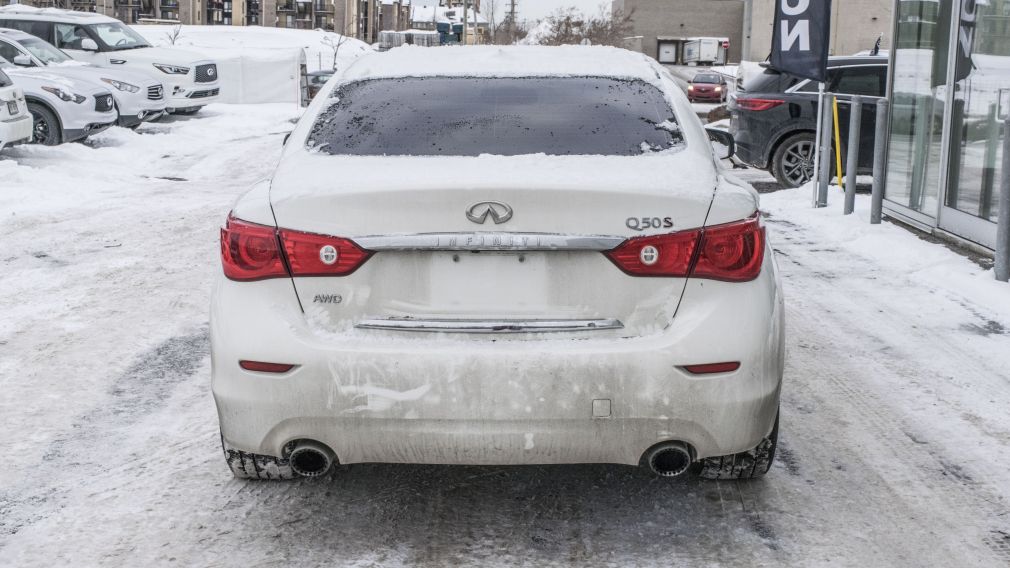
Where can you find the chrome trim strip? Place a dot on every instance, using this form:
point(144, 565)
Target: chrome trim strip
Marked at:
point(489, 241)
point(488, 326)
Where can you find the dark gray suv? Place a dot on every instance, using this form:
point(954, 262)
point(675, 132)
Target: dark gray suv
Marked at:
point(774, 116)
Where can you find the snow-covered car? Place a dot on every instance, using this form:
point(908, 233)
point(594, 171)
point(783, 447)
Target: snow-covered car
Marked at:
point(139, 97)
point(191, 80)
point(63, 109)
point(15, 120)
point(498, 255)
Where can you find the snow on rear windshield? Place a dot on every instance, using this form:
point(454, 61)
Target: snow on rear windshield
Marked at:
point(470, 116)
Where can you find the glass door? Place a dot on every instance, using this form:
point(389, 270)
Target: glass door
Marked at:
point(980, 104)
point(918, 103)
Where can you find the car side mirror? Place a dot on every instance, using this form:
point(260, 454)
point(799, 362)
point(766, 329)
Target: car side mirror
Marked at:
point(22, 60)
point(88, 44)
point(723, 145)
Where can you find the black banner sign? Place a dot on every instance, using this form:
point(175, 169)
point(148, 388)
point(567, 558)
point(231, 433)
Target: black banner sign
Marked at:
point(801, 38)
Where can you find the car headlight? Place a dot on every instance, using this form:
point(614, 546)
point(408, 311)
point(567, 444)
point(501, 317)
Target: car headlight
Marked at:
point(65, 96)
point(718, 89)
point(122, 86)
point(171, 69)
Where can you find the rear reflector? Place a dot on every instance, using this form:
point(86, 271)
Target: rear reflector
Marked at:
point(262, 367)
point(256, 252)
point(732, 252)
point(710, 368)
point(758, 105)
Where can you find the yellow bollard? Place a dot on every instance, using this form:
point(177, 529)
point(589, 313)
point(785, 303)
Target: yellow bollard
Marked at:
point(838, 143)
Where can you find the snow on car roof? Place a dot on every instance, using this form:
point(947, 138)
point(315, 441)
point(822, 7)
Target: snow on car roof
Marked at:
point(53, 14)
point(502, 61)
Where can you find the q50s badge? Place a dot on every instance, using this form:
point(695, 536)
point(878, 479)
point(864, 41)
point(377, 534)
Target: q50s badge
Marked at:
point(645, 223)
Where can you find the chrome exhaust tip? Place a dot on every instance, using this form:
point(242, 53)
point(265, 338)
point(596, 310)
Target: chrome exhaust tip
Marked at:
point(669, 459)
point(311, 459)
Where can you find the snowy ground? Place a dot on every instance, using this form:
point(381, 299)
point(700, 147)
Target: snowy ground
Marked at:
point(895, 441)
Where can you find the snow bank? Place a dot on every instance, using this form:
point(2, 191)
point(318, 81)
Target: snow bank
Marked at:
point(259, 65)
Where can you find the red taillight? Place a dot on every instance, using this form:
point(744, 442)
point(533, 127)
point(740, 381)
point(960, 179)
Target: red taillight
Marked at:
point(709, 368)
point(262, 367)
point(250, 251)
point(254, 252)
point(732, 252)
point(658, 255)
point(758, 104)
point(309, 254)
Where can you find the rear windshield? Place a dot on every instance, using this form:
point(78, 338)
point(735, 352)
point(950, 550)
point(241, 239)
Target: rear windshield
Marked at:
point(5, 81)
point(468, 116)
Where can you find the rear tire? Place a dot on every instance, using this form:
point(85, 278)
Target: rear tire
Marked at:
point(793, 162)
point(46, 128)
point(245, 465)
point(751, 464)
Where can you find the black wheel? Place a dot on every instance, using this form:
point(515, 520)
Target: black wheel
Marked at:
point(245, 465)
point(751, 464)
point(46, 126)
point(793, 162)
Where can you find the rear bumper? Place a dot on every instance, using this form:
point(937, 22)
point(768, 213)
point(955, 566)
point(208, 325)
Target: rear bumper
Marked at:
point(386, 396)
point(15, 130)
point(751, 144)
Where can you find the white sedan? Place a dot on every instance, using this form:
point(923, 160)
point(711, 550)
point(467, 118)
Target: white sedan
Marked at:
point(15, 120)
point(498, 255)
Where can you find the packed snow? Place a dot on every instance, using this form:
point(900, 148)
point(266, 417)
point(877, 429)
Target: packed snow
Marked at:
point(893, 448)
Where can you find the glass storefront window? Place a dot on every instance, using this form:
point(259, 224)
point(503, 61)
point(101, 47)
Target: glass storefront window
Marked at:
point(917, 103)
point(981, 101)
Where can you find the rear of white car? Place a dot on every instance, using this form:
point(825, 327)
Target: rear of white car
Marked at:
point(15, 120)
point(524, 256)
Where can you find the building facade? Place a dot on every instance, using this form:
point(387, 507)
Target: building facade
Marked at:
point(362, 19)
point(661, 26)
point(666, 24)
point(949, 92)
point(855, 26)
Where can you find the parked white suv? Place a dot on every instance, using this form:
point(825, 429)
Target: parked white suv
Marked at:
point(63, 109)
point(191, 81)
point(15, 120)
point(139, 97)
point(498, 255)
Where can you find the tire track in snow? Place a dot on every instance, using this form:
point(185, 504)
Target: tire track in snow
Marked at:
point(80, 454)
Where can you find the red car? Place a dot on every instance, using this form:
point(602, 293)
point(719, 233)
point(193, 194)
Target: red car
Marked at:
point(707, 87)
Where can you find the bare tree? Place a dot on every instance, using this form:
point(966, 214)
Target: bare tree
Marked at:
point(489, 10)
point(334, 42)
point(174, 35)
point(569, 26)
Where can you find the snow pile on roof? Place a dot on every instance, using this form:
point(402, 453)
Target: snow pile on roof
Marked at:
point(538, 34)
point(503, 61)
point(215, 41)
point(53, 12)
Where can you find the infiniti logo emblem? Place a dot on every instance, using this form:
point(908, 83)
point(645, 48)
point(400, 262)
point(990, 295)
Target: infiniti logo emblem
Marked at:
point(498, 211)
